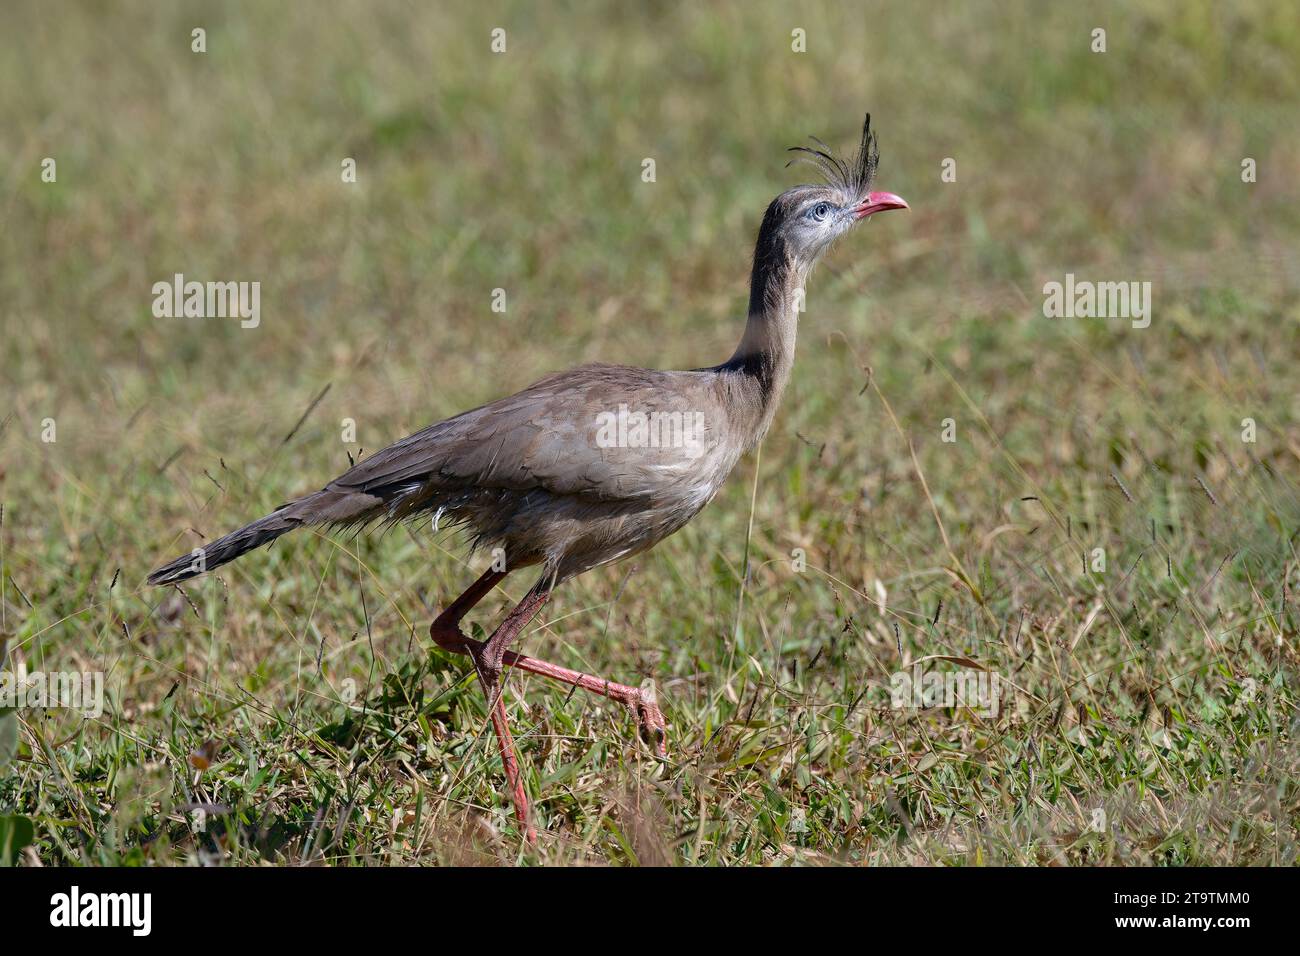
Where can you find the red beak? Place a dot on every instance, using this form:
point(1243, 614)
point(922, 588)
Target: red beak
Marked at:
point(879, 202)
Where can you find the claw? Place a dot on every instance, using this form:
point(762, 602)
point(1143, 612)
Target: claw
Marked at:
point(654, 729)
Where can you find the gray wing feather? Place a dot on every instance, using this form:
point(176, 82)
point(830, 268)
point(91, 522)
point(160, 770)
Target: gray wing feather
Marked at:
point(546, 437)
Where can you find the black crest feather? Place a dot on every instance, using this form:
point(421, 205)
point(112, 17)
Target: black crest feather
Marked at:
point(854, 177)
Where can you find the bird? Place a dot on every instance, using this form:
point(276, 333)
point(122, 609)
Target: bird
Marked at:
point(592, 465)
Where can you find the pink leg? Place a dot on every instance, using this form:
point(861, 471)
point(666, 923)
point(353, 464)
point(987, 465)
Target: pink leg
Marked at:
point(492, 655)
point(642, 701)
point(445, 632)
point(510, 764)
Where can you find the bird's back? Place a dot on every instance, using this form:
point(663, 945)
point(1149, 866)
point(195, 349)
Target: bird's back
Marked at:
point(580, 468)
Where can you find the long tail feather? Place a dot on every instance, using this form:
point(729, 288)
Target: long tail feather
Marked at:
point(323, 507)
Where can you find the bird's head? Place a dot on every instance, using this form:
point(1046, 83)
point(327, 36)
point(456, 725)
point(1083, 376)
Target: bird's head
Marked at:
point(803, 222)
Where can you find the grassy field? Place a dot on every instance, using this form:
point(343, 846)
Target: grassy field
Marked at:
point(290, 709)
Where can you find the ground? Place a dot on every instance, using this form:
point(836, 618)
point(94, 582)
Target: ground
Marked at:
point(1099, 518)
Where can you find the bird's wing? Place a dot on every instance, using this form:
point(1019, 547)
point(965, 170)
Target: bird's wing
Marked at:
point(563, 435)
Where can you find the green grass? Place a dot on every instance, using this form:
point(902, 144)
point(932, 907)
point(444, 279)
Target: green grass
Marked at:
point(1161, 691)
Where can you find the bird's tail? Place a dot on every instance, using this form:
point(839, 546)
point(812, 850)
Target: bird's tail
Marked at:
point(323, 507)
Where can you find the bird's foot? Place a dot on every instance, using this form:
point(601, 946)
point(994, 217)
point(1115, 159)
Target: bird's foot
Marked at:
point(654, 729)
point(488, 667)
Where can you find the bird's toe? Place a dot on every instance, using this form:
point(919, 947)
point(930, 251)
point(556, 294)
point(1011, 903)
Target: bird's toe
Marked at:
point(654, 729)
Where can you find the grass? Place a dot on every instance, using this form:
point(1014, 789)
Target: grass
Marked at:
point(290, 709)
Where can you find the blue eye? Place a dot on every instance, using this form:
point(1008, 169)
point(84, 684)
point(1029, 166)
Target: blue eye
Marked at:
point(820, 211)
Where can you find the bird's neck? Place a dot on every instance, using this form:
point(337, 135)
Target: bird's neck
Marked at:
point(765, 355)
